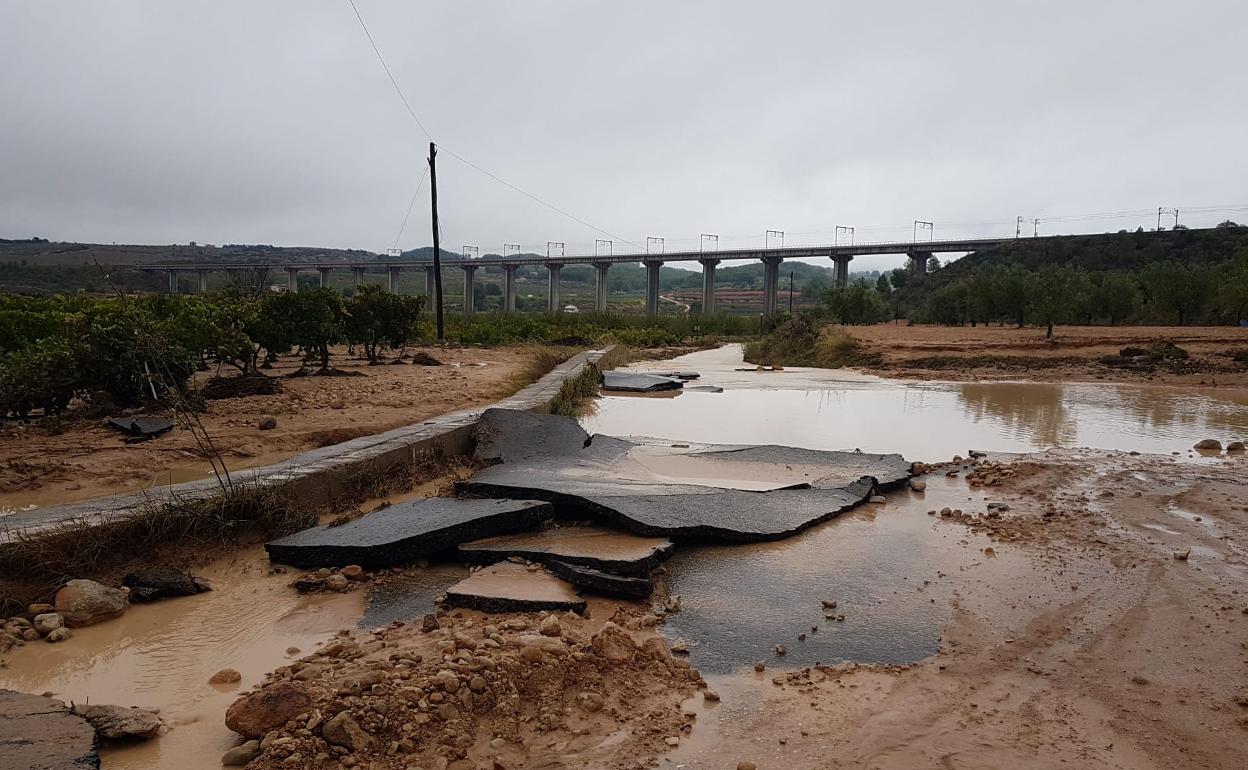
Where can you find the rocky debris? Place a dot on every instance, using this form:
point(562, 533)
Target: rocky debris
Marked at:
point(256, 713)
point(633, 382)
point(159, 582)
point(1209, 444)
point(326, 579)
point(402, 532)
point(990, 474)
point(43, 734)
point(600, 581)
point(512, 587)
point(448, 698)
point(226, 676)
point(267, 422)
point(242, 754)
point(84, 602)
point(594, 547)
point(118, 723)
point(552, 458)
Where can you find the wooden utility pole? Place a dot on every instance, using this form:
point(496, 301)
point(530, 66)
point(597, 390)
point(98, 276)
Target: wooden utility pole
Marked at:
point(437, 245)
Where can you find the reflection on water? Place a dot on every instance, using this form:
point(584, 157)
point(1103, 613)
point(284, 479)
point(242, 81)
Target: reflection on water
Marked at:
point(883, 571)
point(834, 409)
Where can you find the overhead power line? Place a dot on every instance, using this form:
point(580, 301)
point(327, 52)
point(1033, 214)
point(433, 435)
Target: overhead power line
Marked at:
point(416, 194)
point(398, 89)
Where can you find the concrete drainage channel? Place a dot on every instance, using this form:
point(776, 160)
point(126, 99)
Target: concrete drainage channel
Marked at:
point(321, 475)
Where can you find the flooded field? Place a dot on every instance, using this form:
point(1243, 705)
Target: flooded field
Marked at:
point(926, 421)
point(882, 585)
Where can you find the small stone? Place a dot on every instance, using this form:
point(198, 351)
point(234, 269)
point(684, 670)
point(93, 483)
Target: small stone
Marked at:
point(828, 604)
point(225, 676)
point(352, 572)
point(710, 695)
point(1211, 444)
point(429, 623)
point(918, 485)
point(344, 731)
point(1183, 554)
point(590, 701)
point(267, 423)
point(550, 626)
point(759, 666)
point(614, 643)
point(1137, 679)
point(780, 649)
point(878, 499)
point(672, 740)
point(1235, 446)
point(746, 766)
point(801, 637)
point(241, 755)
point(39, 609)
point(477, 684)
point(531, 654)
point(48, 622)
point(58, 635)
point(335, 582)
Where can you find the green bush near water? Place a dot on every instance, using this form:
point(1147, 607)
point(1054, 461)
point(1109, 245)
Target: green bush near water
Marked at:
point(592, 328)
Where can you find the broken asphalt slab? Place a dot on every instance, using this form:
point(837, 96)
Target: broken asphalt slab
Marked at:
point(38, 733)
point(510, 587)
point(406, 531)
point(140, 427)
point(676, 375)
point(601, 582)
point(593, 547)
point(673, 491)
point(634, 382)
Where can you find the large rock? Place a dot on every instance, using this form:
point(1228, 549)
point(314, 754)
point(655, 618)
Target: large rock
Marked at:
point(151, 583)
point(47, 623)
point(614, 643)
point(344, 731)
point(734, 493)
point(38, 733)
point(406, 531)
point(256, 713)
point(118, 723)
point(84, 602)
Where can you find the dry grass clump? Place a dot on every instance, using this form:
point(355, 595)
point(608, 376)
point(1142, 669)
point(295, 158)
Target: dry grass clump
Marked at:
point(804, 341)
point(78, 547)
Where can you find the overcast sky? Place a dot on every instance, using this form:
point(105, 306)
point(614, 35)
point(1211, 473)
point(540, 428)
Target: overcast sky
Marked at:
point(273, 122)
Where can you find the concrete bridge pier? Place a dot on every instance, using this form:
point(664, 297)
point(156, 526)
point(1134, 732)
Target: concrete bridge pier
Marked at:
point(842, 269)
point(708, 284)
point(600, 286)
point(358, 274)
point(771, 282)
point(173, 281)
point(553, 282)
point(203, 281)
point(469, 299)
point(509, 288)
point(652, 286)
point(292, 279)
point(324, 272)
point(919, 261)
point(392, 278)
point(429, 289)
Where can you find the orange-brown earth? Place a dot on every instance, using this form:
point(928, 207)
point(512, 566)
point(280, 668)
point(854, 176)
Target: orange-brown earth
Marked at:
point(82, 459)
point(1074, 354)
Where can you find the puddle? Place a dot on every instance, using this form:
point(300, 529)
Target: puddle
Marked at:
point(410, 595)
point(838, 409)
point(162, 654)
point(739, 601)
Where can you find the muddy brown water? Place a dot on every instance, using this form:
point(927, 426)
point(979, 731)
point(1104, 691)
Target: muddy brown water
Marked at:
point(891, 569)
point(928, 421)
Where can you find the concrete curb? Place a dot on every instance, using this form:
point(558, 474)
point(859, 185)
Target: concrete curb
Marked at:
point(320, 475)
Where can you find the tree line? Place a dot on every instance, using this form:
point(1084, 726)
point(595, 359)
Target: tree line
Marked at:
point(123, 351)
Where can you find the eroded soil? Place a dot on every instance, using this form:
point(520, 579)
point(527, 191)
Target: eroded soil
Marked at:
point(83, 459)
point(1074, 355)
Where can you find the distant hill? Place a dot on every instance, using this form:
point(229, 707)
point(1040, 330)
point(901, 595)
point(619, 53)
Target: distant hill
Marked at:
point(1114, 252)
